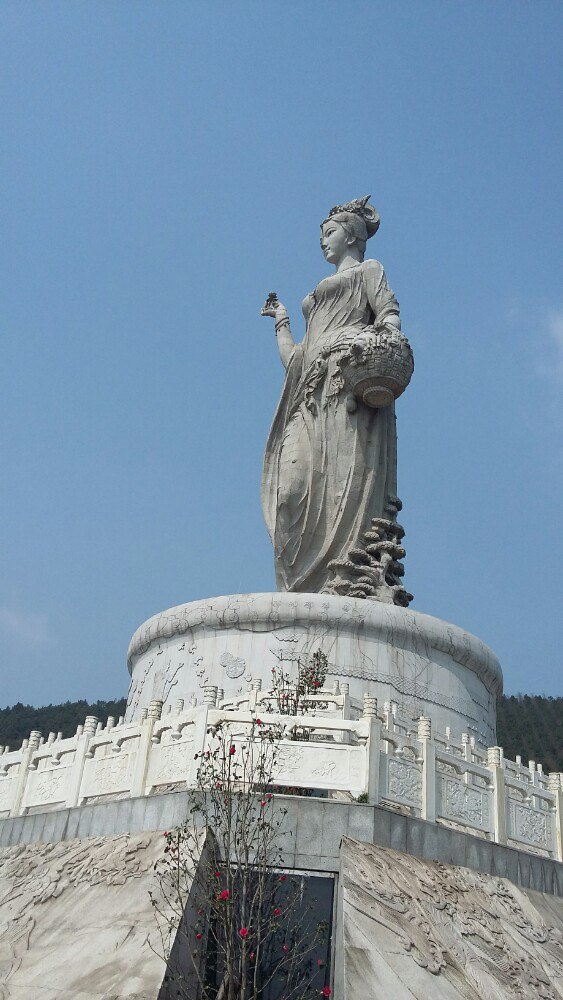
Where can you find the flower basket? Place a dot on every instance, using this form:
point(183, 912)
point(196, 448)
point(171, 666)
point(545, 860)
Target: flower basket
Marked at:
point(378, 366)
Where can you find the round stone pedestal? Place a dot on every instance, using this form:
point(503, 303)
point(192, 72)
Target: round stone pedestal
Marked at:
point(424, 664)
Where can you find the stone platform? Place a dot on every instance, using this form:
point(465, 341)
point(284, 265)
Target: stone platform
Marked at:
point(425, 665)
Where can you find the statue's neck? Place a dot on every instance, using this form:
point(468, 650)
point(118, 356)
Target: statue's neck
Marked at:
point(350, 260)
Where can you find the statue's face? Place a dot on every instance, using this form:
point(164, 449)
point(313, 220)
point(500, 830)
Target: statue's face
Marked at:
point(335, 241)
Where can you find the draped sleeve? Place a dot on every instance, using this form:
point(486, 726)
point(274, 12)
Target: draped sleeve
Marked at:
point(382, 301)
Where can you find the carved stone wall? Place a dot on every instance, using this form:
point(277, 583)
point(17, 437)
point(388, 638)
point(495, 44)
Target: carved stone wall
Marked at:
point(428, 666)
point(413, 929)
point(76, 921)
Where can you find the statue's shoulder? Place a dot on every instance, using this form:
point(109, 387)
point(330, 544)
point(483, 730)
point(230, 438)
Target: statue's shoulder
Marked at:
point(372, 266)
point(372, 272)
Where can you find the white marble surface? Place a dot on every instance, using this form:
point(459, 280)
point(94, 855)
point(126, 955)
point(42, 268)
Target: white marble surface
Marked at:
point(426, 665)
point(76, 920)
point(413, 929)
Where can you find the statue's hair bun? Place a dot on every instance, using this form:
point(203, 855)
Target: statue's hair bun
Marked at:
point(365, 211)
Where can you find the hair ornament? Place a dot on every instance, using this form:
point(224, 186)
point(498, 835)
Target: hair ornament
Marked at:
point(360, 206)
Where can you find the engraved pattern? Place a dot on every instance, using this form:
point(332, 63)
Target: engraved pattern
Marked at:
point(327, 769)
point(108, 774)
point(172, 763)
point(530, 825)
point(71, 893)
point(482, 934)
point(234, 665)
point(404, 780)
point(464, 802)
point(47, 786)
point(289, 760)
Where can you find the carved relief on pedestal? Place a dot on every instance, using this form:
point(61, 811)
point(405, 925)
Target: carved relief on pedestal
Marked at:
point(76, 918)
point(234, 666)
point(483, 935)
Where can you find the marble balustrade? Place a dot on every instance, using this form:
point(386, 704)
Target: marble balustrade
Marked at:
point(339, 746)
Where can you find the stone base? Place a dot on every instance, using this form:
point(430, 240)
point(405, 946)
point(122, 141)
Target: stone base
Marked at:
point(424, 664)
point(412, 929)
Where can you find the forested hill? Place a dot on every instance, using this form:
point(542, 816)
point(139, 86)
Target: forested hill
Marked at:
point(532, 726)
point(17, 722)
point(529, 725)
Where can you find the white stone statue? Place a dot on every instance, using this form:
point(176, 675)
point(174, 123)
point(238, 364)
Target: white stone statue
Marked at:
point(329, 482)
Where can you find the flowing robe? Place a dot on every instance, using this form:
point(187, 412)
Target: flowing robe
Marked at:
point(328, 471)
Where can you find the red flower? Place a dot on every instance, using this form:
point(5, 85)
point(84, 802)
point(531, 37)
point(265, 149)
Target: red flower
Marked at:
point(199, 936)
point(283, 878)
point(326, 991)
point(232, 751)
point(263, 802)
point(243, 932)
point(320, 961)
point(225, 894)
point(258, 722)
point(217, 874)
point(277, 911)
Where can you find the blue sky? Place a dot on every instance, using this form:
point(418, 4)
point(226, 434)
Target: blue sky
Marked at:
point(166, 164)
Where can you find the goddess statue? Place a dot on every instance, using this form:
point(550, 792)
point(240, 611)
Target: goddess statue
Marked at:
point(330, 470)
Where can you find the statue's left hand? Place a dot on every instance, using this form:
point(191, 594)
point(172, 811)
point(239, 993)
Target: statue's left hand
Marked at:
point(273, 307)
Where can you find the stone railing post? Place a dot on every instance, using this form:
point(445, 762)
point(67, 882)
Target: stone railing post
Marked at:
point(200, 738)
point(555, 785)
point(428, 748)
point(345, 692)
point(495, 757)
point(27, 756)
point(140, 768)
point(77, 769)
point(255, 687)
point(210, 695)
point(373, 753)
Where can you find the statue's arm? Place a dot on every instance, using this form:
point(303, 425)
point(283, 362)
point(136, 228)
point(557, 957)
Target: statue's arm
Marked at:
point(382, 301)
point(286, 344)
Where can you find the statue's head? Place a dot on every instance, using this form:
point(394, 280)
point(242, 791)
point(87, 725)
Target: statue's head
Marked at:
point(348, 228)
